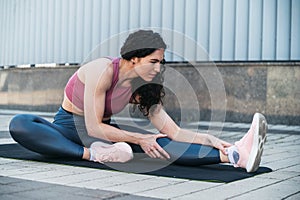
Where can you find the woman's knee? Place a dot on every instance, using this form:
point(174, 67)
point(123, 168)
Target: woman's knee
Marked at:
point(164, 141)
point(18, 125)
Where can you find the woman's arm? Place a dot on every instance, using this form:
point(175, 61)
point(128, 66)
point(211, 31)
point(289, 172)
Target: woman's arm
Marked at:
point(163, 122)
point(97, 81)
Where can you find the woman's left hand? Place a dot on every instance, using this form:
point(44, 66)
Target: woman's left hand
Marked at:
point(217, 143)
point(150, 146)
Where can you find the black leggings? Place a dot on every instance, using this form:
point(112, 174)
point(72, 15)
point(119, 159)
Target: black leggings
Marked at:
point(61, 138)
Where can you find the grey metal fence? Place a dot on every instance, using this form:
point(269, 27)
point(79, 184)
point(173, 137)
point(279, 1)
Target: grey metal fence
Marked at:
point(66, 31)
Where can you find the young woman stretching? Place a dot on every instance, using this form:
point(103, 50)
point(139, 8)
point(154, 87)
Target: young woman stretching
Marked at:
point(103, 87)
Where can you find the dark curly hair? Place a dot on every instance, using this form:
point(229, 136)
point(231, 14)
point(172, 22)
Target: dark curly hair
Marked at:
point(141, 44)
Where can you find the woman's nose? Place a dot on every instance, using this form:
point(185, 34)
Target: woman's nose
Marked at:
point(157, 67)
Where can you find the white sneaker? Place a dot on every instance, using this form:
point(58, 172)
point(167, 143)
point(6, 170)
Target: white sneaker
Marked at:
point(250, 147)
point(117, 152)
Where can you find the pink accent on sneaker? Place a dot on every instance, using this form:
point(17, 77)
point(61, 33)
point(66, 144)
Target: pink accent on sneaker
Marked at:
point(250, 147)
point(117, 152)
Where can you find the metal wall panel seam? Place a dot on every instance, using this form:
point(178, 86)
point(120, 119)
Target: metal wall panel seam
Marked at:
point(196, 32)
point(79, 31)
point(86, 29)
point(167, 23)
point(283, 29)
point(11, 31)
point(296, 30)
point(290, 30)
point(262, 30)
point(144, 12)
point(190, 47)
point(71, 27)
point(180, 27)
point(222, 31)
point(63, 49)
point(26, 33)
point(114, 27)
point(18, 40)
point(203, 30)
point(32, 33)
point(38, 23)
point(215, 30)
point(9, 39)
point(44, 36)
point(50, 32)
point(209, 27)
point(1, 35)
point(6, 38)
point(276, 28)
point(156, 13)
point(255, 30)
point(184, 32)
point(248, 31)
point(269, 30)
point(5, 35)
point(234, 41)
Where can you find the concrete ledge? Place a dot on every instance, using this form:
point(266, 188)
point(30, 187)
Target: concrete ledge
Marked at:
point(272, 88)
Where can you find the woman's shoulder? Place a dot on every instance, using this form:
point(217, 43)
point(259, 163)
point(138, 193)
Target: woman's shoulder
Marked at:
point(100, 63)
point(99, 67)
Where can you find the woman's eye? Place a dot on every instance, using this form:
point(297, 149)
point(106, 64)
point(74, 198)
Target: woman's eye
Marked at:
point(162, 62)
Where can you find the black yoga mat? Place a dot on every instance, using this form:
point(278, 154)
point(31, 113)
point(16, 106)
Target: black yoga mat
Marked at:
point(212, 173)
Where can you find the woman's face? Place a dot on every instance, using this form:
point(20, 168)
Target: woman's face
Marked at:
point(148, 67)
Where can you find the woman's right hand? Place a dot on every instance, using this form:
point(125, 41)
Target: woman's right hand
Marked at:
point(152, 148)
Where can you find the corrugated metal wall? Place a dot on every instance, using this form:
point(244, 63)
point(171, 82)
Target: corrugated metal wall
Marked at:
point(66, 31)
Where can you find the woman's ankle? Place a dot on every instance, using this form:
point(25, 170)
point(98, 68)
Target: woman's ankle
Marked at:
point(86, 154)
point(223, 157)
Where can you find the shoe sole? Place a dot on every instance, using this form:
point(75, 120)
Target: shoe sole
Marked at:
point(258, 142)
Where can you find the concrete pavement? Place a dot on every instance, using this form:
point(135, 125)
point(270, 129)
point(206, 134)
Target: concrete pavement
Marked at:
point(36, 180)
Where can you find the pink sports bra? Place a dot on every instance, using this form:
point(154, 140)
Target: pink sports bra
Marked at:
point(117, 97)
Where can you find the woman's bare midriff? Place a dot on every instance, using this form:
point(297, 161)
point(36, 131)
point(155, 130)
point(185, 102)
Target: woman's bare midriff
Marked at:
point(70, 107)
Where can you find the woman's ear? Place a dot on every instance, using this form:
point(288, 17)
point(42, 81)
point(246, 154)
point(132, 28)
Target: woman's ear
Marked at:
point(135, 60)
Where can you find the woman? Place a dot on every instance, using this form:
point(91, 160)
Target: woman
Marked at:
point(103, 87)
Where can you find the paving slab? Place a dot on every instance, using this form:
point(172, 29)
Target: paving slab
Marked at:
point(277, 190)
point(175, 190)
point(229, 190)
point(13, 188)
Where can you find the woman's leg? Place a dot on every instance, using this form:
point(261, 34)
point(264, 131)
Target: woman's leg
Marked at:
point(190, 154)
point(41, 136)
point(246, 153)
point(180, 152)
